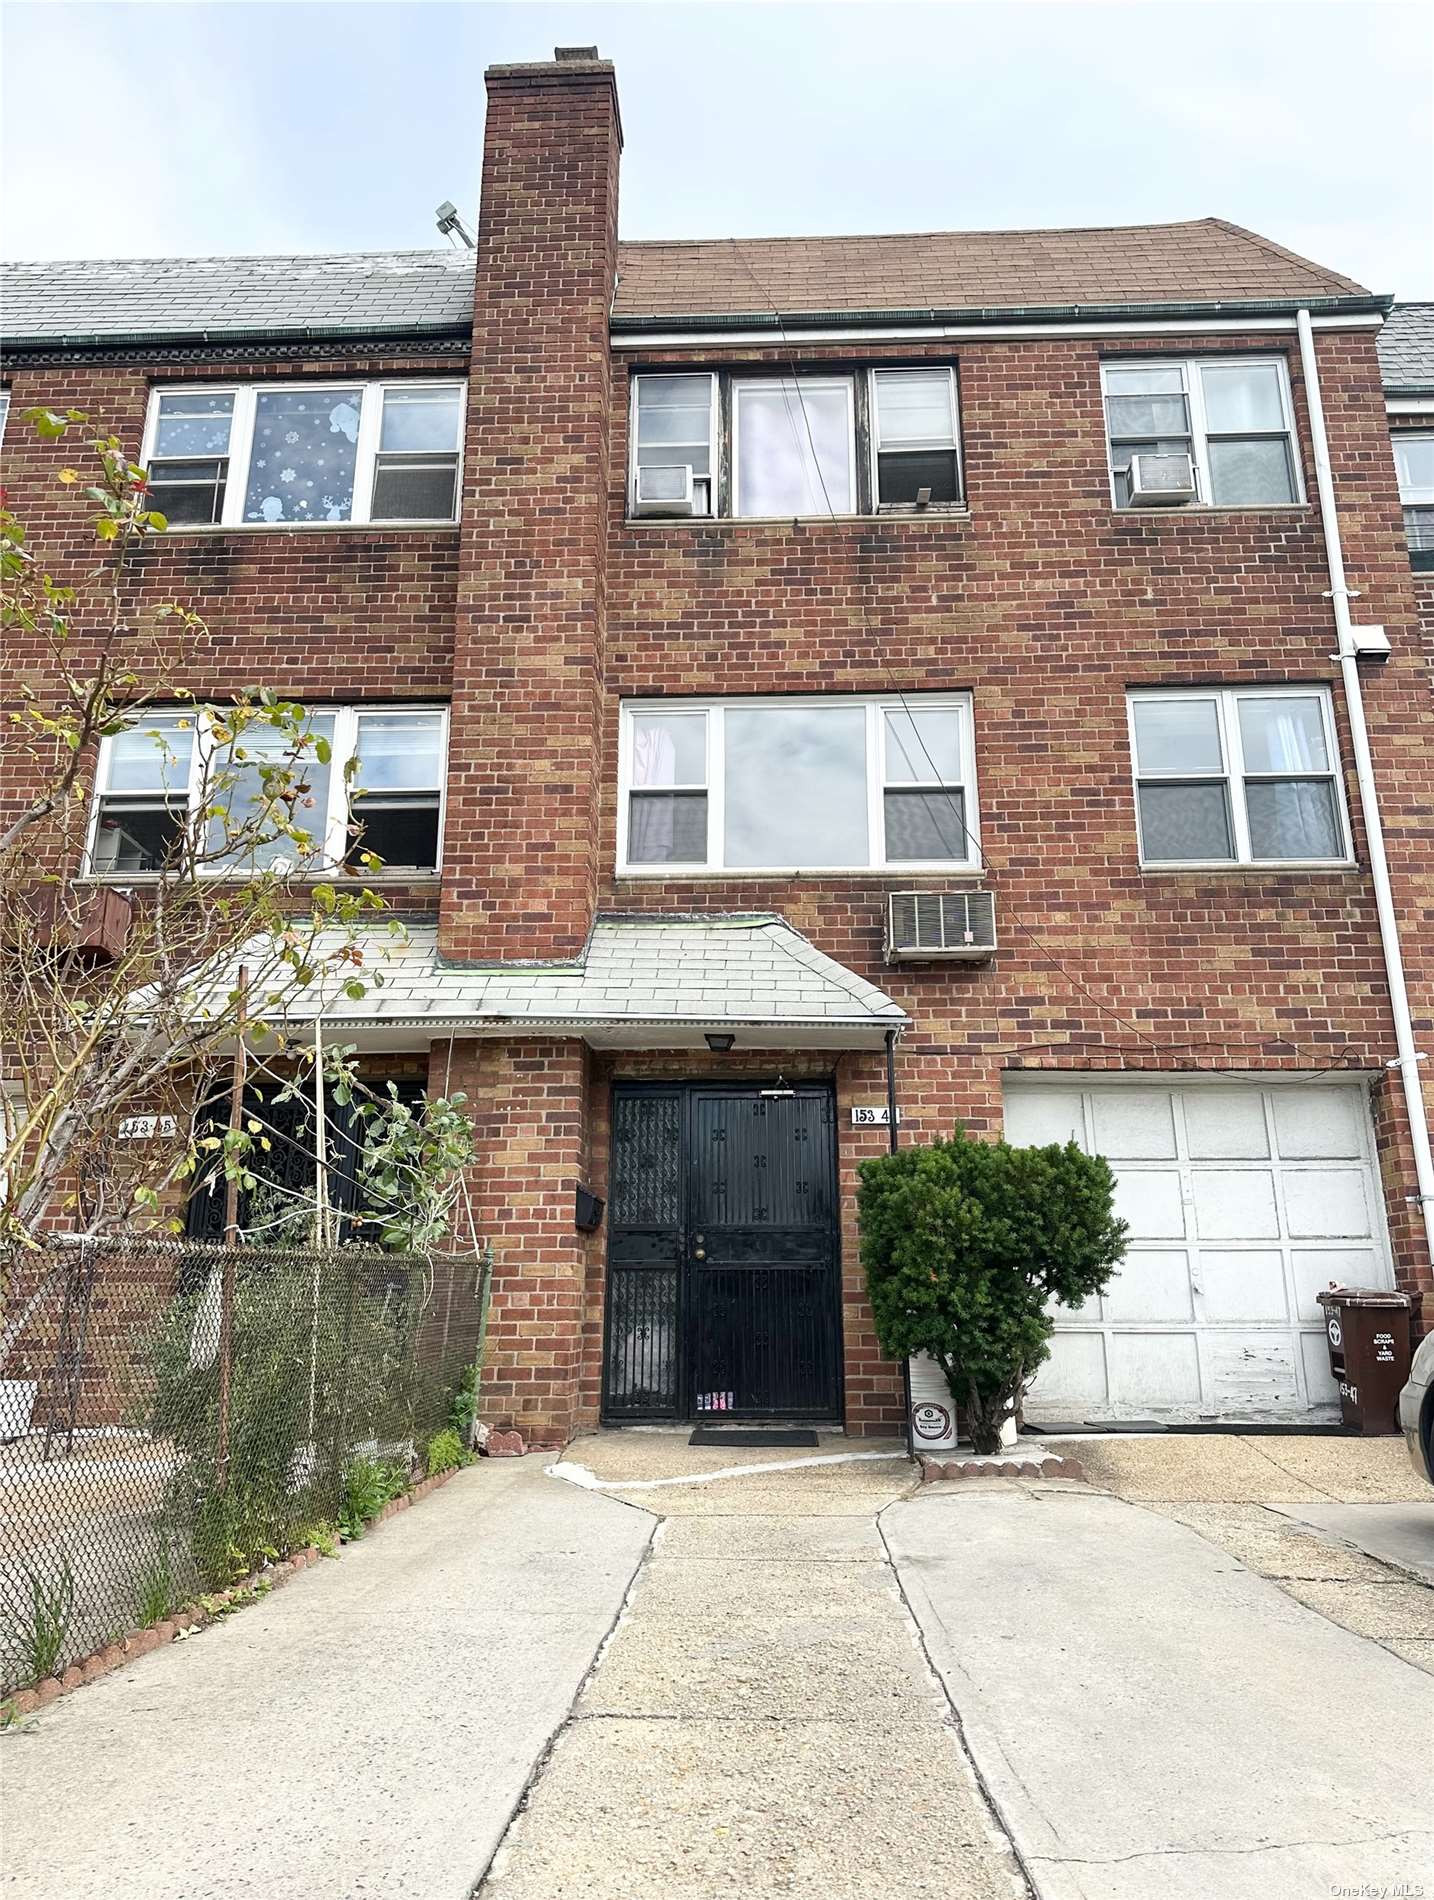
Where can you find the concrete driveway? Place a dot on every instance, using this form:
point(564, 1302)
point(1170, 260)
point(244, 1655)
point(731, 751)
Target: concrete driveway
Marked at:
point(1152, 1717)
point(366, 1731)
point(691, 1672)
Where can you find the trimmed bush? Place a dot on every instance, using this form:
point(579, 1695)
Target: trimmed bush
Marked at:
point(966, 1246)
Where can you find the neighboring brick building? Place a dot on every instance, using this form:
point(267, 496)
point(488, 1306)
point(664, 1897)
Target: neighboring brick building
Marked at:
point(774, 578)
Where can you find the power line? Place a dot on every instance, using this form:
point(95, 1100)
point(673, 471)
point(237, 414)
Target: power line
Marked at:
point(943, 790)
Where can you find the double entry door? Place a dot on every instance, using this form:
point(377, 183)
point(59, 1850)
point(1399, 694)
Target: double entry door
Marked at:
point(723, 1288)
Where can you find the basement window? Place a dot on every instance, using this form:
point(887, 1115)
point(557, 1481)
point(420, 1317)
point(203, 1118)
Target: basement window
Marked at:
point(1227, 420)
point(372, 780)
point(1237, 777)
point(305, 454)
point(791, 784)
point(1414, 459)
point(773, 447)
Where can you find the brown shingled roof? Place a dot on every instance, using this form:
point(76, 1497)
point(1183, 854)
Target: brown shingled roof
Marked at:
point(1204, 261)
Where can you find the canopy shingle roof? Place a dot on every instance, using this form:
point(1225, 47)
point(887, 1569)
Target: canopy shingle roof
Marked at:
point(1406, 348)
point(646, 980)
point(394, 293)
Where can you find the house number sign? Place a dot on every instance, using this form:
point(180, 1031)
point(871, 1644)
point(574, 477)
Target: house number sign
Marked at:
point(147, 1127)
point(873, 1117)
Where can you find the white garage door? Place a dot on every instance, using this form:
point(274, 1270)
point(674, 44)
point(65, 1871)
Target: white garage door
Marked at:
point(1243, 1202)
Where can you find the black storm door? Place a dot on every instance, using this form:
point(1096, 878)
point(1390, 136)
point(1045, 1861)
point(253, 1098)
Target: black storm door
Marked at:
point(723, 1284)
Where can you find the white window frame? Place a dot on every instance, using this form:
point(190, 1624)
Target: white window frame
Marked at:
point(1226, 701)
point(344, 745)
point(241, 439)
point(877, 705)
point(1413, 496)
point(873, 379)
point(793, 386)
point(714, 451)
point(1193, 388)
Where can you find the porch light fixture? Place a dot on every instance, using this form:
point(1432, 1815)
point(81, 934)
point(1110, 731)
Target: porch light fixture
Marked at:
point(719, 1044)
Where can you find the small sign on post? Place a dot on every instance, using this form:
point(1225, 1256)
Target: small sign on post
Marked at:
point(872, 1117)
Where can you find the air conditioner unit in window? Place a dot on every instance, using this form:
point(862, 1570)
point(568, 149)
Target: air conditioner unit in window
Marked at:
point(664, 489)
point(1161, 481)
point(926, 926)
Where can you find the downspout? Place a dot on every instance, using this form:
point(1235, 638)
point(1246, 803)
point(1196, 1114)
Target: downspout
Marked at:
point(1407, 1060)
point(891, 1143)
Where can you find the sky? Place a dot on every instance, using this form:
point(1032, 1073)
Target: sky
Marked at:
point(161, 127)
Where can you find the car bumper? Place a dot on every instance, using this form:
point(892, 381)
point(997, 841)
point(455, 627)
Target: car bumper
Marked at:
point(1411, 1410)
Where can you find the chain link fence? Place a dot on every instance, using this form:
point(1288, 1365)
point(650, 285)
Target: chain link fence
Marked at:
point(173, 1416)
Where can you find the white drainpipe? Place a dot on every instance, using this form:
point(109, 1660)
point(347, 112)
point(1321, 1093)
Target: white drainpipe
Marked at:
point(1408, 1058)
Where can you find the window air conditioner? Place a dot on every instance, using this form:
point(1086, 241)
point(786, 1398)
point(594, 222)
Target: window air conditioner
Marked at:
point(1161, 481)
point(664, 489)
point(927, 926)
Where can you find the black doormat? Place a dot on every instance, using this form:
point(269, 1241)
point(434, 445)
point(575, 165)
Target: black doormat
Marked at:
point(708, 1435)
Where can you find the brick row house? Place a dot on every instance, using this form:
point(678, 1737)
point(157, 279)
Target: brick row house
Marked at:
point(799, 676)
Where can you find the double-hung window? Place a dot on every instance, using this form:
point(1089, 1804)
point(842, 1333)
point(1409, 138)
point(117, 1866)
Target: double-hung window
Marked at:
point(1414, 459)
point(370, 780)
point(772, 447)
point(1231, 415)
point(305, 453)
point(914, 437)
point(796, 784)
point(1237, 776)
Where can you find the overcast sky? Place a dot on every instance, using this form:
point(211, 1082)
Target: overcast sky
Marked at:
point(261, 125)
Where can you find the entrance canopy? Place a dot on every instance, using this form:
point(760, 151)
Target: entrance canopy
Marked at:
point(642, 982)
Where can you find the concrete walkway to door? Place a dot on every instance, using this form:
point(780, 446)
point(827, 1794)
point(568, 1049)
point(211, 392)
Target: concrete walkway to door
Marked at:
point(366, 1731)
point(764, 1722)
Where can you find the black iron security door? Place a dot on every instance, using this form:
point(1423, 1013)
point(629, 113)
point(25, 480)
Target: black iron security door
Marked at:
point(723, 1283)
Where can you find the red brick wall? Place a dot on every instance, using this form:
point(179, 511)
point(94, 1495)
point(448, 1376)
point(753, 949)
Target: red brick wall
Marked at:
point(527, 1101)
point(528, 671)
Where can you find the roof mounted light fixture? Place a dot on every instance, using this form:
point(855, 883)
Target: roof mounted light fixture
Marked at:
point(718, 1043)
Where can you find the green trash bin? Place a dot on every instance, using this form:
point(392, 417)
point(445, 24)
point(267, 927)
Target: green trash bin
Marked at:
point(1367, 1331)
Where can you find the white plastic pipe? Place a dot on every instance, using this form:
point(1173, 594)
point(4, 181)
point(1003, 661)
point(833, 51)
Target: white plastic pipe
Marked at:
point(1408, 1055)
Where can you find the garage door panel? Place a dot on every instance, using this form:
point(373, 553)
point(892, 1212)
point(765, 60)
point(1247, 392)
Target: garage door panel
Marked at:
point(1319, 1124)
point(1250, 1372)
point(1154, 1371)
point(1135, 1125)
point(1243, 1202)
point(1246, 1285)
point(1035, 1117)
point(1150, 1286)
point(1327, 1203)
point(1226, 1125)
point(1321, 1386)
point(1073, 1377)
point(1149, 1201)
point(1236, 1204)
point(1314, 1269)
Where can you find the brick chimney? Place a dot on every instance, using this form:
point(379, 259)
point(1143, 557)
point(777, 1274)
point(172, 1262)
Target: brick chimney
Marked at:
point(521, 845)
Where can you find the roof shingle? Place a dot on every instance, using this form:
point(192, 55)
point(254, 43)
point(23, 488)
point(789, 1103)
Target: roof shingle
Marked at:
point(1406, 348)
point(1206, 261)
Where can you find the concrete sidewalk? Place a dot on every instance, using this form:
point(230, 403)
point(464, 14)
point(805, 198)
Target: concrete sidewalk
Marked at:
point(367, 1730)
point(1150, 1717)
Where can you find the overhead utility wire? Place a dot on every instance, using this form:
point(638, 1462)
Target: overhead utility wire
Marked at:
point(943, 790)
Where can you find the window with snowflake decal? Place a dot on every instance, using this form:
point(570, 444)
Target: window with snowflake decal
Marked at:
point(305, 455)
